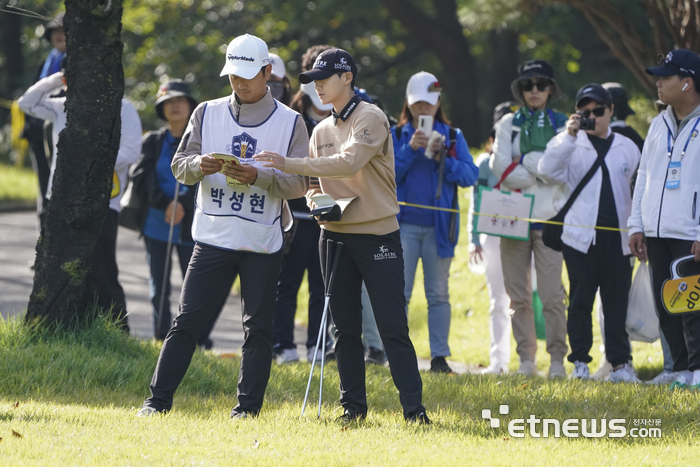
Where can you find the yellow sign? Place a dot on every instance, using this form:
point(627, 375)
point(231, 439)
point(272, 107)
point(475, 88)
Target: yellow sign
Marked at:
point(681, 294)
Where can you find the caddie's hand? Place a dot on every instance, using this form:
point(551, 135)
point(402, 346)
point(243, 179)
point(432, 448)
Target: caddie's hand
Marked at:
point(476, 254)
point(179, 212)
point(270, 159)
point(695, 250)
point(639, 248)
point(418, 140)
point(573, 125)
point(209, 165)
point(244, 173)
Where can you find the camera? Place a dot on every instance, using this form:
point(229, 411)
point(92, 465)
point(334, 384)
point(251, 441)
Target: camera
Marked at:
point(586, 123)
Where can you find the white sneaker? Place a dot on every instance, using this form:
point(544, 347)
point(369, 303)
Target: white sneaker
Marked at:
point(557, 370)
point(146, 411)
point(684, 377)
point(527, 368)
point(665, 377)
point(624, 374)
point(494, 370)
point(310, 354)
point(696, 378)
point(580, 371)
point(287, 356)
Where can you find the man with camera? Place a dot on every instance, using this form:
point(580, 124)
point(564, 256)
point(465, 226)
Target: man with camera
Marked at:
point(596, 252)
point(665, 219)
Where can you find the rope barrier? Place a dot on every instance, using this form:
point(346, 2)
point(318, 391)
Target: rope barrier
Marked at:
point(528, 219)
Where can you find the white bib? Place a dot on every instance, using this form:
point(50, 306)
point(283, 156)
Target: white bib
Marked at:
point(245, 218)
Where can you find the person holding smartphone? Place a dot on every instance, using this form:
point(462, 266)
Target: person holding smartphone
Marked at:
point(353, 156)
point(430, 176)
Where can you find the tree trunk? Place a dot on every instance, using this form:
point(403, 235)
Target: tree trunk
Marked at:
point(504, 63)
point(87, 150)
point(443, 36)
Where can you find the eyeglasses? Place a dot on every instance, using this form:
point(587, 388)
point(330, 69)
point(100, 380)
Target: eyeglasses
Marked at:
point(542, 85)
point(598, 112)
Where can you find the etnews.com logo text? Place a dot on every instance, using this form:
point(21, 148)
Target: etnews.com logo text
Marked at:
point(569, 428)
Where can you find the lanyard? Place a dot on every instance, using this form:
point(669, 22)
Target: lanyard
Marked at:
point(671, 143)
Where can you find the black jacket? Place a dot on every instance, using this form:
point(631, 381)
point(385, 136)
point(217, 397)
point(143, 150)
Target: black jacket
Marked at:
point(145, 180)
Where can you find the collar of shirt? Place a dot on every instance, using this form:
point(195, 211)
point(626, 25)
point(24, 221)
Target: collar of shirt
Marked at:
point(252, 114)
point(347, 110)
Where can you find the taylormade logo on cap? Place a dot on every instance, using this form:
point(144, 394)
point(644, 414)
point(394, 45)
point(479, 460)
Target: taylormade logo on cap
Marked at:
point(235, 57)
point(245, 56)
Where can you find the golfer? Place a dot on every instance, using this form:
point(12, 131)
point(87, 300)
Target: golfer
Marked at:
point(237, 224)
point(352, 155)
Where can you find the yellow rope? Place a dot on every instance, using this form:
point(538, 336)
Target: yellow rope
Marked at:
point(528, 219)
point(5, 103)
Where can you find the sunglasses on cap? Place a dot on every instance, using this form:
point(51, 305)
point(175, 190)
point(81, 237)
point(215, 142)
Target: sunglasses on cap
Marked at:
point(598, 112)
point(542, 85)
point(668, 58)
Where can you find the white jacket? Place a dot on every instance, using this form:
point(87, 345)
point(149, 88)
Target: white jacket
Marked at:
point(656, 210)
point(37, 102)
point(525, 177)
point(566, 160)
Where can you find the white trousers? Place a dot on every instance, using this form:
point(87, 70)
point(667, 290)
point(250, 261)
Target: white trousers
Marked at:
point(499, 309)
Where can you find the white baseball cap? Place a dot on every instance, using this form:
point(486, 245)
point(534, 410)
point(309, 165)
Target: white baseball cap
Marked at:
point(245, 56)
point(423, 86)
point(278, 69)
point(310, 90)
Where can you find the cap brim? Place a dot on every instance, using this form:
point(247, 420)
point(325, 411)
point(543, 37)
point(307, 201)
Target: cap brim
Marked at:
point(429, 97)
point(315, 75)
point(594, 97)
point(245, 72)
point(661, 71)
point(170, 95)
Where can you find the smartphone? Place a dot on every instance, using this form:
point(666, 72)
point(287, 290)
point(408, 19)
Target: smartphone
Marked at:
point(425, 124)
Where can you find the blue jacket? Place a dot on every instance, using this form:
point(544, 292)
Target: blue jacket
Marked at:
point(459, 171)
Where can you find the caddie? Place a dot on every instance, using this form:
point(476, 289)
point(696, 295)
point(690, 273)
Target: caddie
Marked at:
point(238, 222)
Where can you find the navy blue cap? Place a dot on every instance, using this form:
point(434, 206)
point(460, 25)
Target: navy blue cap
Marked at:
point(595, 92)
point(173, 88)
point(675, 62)
point(328, 63)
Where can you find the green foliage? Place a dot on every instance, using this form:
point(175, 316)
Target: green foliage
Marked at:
point(17, 183)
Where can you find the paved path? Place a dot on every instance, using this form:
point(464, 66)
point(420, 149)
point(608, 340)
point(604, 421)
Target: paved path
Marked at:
point(18, 234)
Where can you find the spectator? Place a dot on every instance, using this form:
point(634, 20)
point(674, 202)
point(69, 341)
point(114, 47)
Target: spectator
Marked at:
point(237, 223)
point(430, 235)
point(595, 258)
point(34, 127)
point(301, 243)
point(486, 248)
point(351, 153)
point(520, 143)
point(278, 81)
point(39, 101)
point(154, 181)
point(622, 110)
point(664, 220)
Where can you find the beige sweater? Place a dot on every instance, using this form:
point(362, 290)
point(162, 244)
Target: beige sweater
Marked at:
point(354, 158)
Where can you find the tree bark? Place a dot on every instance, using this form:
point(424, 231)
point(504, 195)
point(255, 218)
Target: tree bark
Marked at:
point(443, 35)
point(505, 58)
point(87, 150)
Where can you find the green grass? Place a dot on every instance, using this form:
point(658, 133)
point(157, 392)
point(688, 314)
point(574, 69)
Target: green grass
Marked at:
point(78, 395)
point(17, 183)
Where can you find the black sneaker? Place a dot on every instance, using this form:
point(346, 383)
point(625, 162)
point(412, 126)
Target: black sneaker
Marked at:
point(439, 365)
point(419, 417)
point(375, 356)
point(350, 416)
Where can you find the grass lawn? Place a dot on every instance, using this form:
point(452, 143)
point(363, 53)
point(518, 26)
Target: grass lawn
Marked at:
point(17, 183)
point(78, 395)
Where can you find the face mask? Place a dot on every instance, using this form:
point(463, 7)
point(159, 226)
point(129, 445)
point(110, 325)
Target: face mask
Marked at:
point(310, 91)
point(276, 89)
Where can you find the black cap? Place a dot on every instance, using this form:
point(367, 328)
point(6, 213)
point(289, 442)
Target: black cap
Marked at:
point(677, 61)
point(328, 63)
point(503, 109)
point(595, 92)
point(173, 88)
point(535, 69)
point(620, 100)
point(54, 23)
